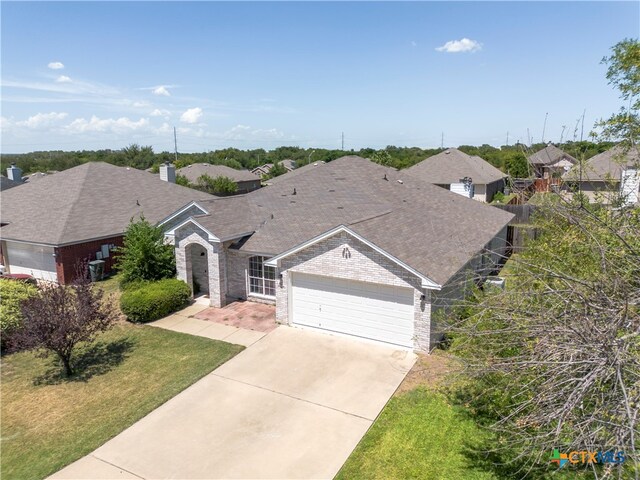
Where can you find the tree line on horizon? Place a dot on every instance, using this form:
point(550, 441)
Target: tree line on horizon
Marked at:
point(511, 159)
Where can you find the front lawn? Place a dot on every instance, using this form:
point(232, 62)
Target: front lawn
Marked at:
point(419, 434)
point(48, 422)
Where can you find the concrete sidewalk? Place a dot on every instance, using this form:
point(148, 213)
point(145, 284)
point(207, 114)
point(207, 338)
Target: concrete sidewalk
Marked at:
point(292, 406)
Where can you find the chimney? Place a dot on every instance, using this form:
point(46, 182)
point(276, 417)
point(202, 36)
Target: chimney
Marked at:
point(14, 173)
point(168, 172)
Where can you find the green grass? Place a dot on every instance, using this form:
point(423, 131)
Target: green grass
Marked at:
point(48, 422)
point(110, 286)
point(418, 435)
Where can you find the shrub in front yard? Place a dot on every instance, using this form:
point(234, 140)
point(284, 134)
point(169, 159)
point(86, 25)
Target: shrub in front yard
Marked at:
point(12, 294)
point(145, 302)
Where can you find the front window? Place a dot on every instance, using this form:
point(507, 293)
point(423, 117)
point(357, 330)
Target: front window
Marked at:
point(262, 279)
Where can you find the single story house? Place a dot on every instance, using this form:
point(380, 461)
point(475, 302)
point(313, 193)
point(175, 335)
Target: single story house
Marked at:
point(246, 181)
point(350, 247)
point(608, 176)
point(263, 170)
point(48, 226)
point(550, 162)
point(466, 174)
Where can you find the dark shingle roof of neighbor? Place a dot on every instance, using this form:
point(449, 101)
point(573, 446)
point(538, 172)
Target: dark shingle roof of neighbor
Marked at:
point(6, 183)
point(452, 165)
point(606, 166)
point(194, 171)
point(549, 155)
point(433, 230)
point(89, 201)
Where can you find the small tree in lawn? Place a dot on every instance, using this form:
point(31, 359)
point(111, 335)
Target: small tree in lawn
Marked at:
point(61, 316)
point(144, 255)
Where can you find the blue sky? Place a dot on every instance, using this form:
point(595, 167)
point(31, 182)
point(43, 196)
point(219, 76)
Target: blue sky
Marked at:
point(85, 75)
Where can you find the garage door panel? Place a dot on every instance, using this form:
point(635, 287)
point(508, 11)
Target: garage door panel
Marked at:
point(368, 310)
point(32, 259)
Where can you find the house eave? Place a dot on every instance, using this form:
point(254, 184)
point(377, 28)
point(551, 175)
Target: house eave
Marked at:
point(425, 281)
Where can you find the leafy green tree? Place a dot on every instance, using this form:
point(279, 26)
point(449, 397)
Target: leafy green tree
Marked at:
point(624, 74)
point(221, 185)
point(277, 170)
point(182, 180)
point(382, 158)
point(516, 165)
point(144, 255)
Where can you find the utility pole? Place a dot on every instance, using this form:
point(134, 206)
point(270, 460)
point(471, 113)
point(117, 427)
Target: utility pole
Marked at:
point(562, 134)
point(544, 127)
point(342, 142)
point(528, 137)
point(175, 143)
point(582, 127)
point(507, 139)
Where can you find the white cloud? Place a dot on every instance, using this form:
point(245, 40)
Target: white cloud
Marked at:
point(63, 79)
point(42, 120)
point(140, 104)
point(56, 65)
point(161, 90)
point(158, 112)
point(95, 124)
point(192, 115)
point(458, 46)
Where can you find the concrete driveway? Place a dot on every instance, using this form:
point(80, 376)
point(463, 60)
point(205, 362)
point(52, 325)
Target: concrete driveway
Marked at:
point(293, 405)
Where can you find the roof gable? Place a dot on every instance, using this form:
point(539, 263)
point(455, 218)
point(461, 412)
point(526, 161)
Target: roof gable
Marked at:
point(452, 165)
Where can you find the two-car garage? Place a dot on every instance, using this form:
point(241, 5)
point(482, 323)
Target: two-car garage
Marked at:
point(31, 259)
point(373, 311)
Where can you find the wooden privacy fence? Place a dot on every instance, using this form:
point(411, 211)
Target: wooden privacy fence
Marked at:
point(522, 212)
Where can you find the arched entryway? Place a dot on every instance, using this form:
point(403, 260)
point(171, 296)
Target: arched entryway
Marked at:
point(198, 266)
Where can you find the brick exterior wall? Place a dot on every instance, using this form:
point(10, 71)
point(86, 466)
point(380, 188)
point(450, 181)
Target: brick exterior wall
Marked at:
point(216, 262)
point(237, 268)
point(67, 257)
point(329, 258)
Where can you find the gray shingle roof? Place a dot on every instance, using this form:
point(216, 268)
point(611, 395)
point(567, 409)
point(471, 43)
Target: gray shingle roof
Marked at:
point(451, 165)
point(92, 200)
point(606, 166)
point(293, 173)
point(549, 155)
point(193, 172)
point(429, 228)
point(7, 183)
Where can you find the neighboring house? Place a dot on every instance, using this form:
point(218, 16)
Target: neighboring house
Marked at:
point(263, 170)
point(294, 173)
point(608, 175)
point(465, 174)
point(551, 162)
point(48, 226)
point(349, 247)
point(246, 181)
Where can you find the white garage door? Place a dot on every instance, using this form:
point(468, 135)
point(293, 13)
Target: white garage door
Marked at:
point(368, 310)
point(33, 260)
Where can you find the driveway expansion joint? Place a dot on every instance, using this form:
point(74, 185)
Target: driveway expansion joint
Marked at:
point(116, 466)
point(293, 397)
